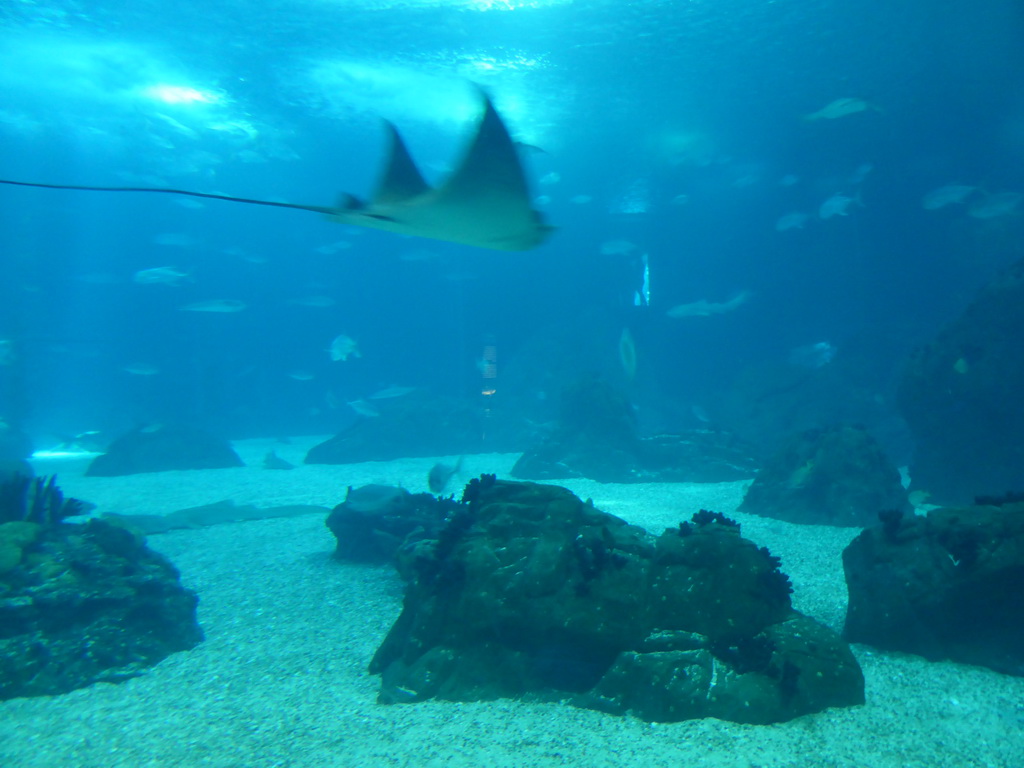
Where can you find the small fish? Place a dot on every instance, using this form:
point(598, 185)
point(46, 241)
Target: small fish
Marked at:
point(441, 474)
point(363, 408)
point(160, 276)
point(949, 194)
point(343, 347)
point(141, 369)
point(215, 305)
point(642, 297)
point(390, 392)
point(918, 498)
point(581, 199)
point(837, 205)
point(704, 308)
point(841, 108)
point(997, 204)
point(789, 180)
point(300, 375)
point(794, 220)
point(7, 354)
point(680, 199)
point(550, 178)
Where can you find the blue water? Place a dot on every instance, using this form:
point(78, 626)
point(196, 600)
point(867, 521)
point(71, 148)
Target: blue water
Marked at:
point(631, 105)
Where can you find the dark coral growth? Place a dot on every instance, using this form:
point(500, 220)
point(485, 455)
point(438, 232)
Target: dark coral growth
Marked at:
point(594, 554)
point(776, 583)
point(476, 486)
point(706, 517)
point(36, 500)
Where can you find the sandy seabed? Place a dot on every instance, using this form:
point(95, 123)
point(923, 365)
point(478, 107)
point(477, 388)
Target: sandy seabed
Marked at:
point(281, 679)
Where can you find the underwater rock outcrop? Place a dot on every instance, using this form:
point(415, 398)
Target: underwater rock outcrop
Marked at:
point(832, 476)
point(375, 520)
point(596, 437)
point(961, 397)
point(161, 449)
point(422, 425)
point(944, 586)
point(527, 590)
point(81, 603)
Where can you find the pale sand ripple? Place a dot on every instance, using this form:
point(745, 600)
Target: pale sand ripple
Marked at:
point(281, 681)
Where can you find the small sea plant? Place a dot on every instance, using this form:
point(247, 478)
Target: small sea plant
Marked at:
point(35, 500)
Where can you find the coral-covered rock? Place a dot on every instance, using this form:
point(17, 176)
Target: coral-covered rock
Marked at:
point(833, 476)
point(375, 520)
point(528, 590)
point(161, 449)
point(86, 603)
point(945, 586)
point(961, 397)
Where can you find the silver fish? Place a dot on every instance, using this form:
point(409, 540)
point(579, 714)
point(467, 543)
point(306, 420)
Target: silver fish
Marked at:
point(160, 276)
point(363, 408)
point(705, 308)
point(794, 220)
point(837, 205)
point(441, 474)
point(343, 347)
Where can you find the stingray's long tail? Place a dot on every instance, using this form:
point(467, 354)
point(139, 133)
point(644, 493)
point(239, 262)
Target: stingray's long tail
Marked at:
point(249, 201)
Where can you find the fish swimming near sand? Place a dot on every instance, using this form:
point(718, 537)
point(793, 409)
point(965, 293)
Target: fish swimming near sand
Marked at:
point(485, 202)
point(441, 475)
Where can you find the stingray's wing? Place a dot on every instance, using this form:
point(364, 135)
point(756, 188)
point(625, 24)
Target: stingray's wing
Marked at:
point(485, 202)
point(402, 180)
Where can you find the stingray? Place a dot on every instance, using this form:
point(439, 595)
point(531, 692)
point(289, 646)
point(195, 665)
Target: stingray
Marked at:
point(485, 202)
